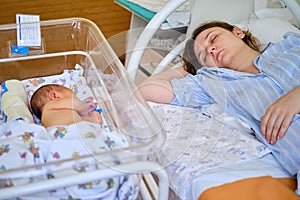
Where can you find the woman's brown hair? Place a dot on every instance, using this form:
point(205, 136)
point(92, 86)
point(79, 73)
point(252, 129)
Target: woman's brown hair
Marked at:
point(189, 58)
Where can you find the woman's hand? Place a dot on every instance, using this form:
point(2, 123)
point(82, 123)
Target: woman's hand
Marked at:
point(276, 120)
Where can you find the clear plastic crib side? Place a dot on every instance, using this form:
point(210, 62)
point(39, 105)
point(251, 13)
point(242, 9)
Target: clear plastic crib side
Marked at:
point(65, 43)
point(68, 42)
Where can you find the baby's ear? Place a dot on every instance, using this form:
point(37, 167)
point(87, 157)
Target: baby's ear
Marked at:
point(53, 95)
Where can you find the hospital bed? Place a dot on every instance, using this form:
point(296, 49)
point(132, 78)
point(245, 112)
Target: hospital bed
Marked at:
point(202, 155)
point(83, 160)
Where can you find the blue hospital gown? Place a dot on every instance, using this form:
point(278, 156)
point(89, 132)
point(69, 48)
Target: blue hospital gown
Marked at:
point(248, 96)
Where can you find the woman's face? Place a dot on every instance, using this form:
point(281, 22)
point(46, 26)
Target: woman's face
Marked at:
point(218, 47)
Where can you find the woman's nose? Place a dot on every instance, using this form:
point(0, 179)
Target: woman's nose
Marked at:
point(211, 50)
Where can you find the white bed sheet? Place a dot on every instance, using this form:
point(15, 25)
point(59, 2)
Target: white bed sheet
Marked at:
point(203, 150)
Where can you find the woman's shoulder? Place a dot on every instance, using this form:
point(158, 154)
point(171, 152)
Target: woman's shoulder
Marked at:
point(289, 39)
point(292, 34)
point(293, 38)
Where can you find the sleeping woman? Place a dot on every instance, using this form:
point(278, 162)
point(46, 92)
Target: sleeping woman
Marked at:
point(223, 65)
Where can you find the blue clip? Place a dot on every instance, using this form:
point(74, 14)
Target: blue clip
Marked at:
point(99, 110)
point(20, 50)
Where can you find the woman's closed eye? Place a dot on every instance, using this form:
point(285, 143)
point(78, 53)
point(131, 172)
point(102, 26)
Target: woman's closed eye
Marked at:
point(213, 39)
point(210, 37)
point(204, 54)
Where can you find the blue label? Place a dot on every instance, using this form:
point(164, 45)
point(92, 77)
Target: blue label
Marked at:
point(19, 50)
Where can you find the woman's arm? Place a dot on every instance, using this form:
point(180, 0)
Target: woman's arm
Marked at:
point(279, 115)
point(157, 88)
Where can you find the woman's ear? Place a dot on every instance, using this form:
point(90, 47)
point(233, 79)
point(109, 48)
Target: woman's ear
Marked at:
point(53, 95)
point(238, 32)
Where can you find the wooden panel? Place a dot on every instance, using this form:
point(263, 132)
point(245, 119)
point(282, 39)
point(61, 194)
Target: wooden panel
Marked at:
point(110, 17)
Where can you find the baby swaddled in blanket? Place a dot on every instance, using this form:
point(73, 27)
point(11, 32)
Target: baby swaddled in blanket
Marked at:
point(71, 129)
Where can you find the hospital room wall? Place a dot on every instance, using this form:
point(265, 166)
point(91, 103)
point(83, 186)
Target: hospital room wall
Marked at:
point(110, 17)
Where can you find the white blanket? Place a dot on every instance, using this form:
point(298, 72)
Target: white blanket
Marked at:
point(25, 144)
point(198, 142)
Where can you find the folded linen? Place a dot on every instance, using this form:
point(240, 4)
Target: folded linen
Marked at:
point(14, 101)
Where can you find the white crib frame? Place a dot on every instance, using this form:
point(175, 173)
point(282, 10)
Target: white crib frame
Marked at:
point(160, 192)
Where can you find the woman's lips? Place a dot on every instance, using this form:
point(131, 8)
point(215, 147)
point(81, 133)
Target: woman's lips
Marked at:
point(218, 55)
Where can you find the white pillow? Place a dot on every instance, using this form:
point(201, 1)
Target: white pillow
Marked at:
point(270, 29)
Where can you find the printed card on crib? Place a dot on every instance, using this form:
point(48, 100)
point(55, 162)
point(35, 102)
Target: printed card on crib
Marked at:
point(28, 30)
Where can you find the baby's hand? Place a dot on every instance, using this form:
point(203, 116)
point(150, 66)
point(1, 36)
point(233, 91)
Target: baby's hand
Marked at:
point(88, 107)
point(88, 99)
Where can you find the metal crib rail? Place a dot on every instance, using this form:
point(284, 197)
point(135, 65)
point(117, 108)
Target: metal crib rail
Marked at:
point(137, 167)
